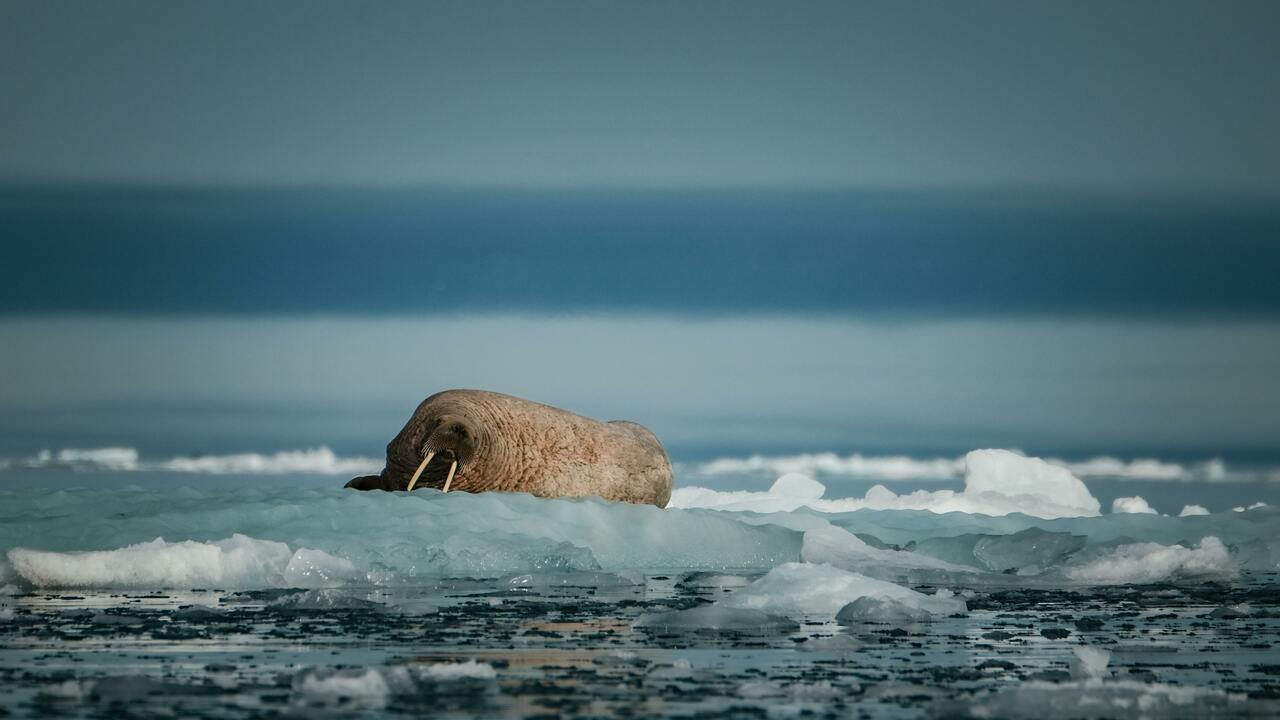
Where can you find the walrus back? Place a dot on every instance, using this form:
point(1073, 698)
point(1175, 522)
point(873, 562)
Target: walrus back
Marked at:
point(548, 451)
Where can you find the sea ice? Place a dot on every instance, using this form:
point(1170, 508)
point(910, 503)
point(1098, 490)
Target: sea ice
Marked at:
point(1026, 552)
point(1135, 504)
point(354, 689)
point(841, 548)
point(1090, 699)
point(997, 482)
point(715, 618)
point(237, 562)
point(1192, 510)
point(1151, 562)
point(810, 589)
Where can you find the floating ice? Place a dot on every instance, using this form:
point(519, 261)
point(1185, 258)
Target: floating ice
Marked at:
point(894, 468)
point(997, 482)
point(238, 561)
point(356, 689)
point(809, 589)
point(716, 618)
point(1193, 510)
point(469, 670)
point(880, 468)
point(317, 537)
point(1090, 699)
point(881, 610)
point(1026, 552)
point(1135, 504)
point(324, 600)
point(1092, 661)
point(1152, 562)
point(1254, 506)
point(798, 486)
point(842, 549)
point(320, 460)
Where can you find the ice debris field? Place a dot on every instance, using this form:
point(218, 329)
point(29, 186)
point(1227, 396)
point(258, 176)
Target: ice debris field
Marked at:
point(1014, 596)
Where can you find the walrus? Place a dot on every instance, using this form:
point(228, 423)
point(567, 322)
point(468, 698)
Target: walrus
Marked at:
point(475, 440)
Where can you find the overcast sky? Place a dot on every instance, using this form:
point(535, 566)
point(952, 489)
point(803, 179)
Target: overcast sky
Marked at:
point(1134, 97)
point(783, 227)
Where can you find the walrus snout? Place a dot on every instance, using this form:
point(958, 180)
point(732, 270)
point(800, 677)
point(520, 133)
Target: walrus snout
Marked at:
point(452, 435)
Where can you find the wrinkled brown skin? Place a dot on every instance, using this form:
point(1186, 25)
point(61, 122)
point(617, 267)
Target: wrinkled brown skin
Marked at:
point(508, 444)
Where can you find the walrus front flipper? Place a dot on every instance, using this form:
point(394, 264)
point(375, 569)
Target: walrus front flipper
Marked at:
point(367, 482)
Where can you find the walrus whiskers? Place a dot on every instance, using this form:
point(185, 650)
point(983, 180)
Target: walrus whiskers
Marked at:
point(449, 480)
point(418, 473)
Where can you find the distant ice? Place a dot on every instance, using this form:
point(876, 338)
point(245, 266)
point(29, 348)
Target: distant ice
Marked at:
point(997, 482)
point(893, 468)
point(1151, 562)
point(319, 460)
point(1254, 506)
point(1135, 504)
point(1193, 510)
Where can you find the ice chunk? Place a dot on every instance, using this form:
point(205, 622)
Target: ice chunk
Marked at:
point(365, 689)
point(1193, 510)
point(798, 486)
point(324, 600)
point(451, 672)
point(881, 610)
point(1135, 504)
point(1025, 552)
point(715, 618)
point(841, 548)
point(239, 561)
point(1242, 508)
point(1092, 661)
point(1090, 699)
point(1152, 562)
point(809, 589)
point(1046, 490)
point(997, 482)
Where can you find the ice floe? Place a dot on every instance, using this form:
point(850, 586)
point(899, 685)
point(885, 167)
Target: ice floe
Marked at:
point(894, 468)
point(1151, 562)
point(1135, 504)
point(319, 460)
point(997, 482)
point(238, 561)
point(822, 590)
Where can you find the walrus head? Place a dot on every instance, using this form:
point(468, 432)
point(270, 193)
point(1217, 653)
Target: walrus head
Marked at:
point(427, 453)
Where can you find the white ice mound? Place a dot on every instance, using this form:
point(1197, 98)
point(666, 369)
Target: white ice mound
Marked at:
point(1136, 505)
point(798, 486)
point(1151, 562)
point(1193, 510)
point(997, 482)
point(237, 562)
point(1032, 486)
point(809, 589)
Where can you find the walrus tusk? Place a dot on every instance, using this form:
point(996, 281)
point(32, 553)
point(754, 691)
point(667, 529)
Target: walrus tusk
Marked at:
point(421, 467)
point(447, 481)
